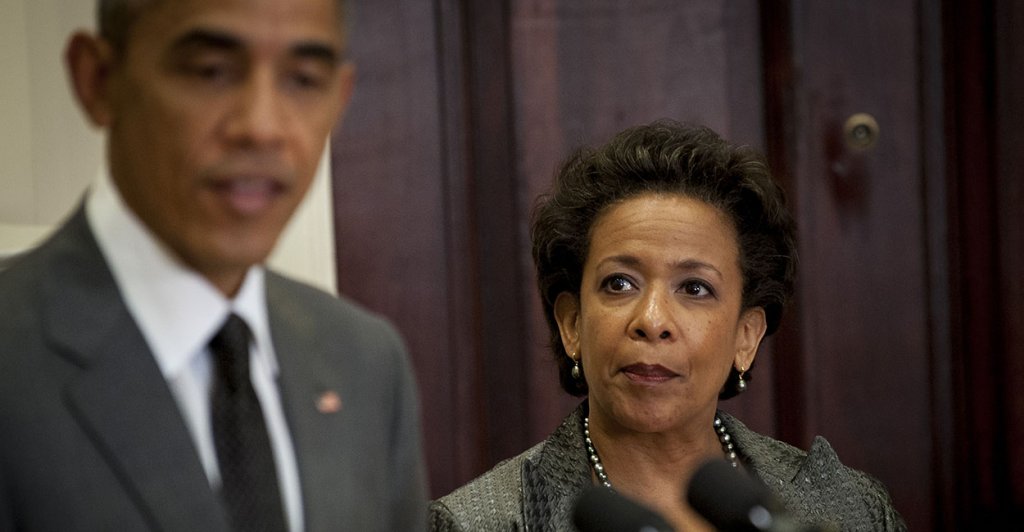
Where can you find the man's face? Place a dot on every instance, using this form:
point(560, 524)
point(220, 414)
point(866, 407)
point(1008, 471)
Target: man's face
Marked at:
point(217, 113)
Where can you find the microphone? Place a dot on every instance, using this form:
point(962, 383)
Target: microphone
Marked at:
point(735, 502)
point(601, 509)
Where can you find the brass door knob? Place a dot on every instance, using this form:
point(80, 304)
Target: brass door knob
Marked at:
point(861, 131)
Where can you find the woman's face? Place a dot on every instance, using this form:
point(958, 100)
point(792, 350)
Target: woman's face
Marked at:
point(657, 323)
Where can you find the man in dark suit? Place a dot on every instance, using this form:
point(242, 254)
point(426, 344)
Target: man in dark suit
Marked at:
point(153, 375)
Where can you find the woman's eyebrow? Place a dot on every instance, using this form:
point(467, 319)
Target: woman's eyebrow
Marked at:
point(695, 264)
point(681, 265)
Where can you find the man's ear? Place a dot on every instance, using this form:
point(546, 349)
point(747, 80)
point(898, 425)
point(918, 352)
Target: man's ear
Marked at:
point(90, 61)
point(567, 314)
point(749, 332)
point(347, 84)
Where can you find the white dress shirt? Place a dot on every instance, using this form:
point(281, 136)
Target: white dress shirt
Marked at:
point(179, 311)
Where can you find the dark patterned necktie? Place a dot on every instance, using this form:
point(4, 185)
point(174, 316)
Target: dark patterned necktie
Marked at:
point(249, 485)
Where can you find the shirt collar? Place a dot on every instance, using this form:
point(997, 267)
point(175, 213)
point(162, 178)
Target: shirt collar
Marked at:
point(177, 309)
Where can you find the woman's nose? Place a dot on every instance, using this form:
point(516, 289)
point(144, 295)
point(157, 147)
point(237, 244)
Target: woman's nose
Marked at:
point(652, 319)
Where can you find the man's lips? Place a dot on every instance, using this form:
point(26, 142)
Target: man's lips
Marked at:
point(648, 373)
point(248, 196)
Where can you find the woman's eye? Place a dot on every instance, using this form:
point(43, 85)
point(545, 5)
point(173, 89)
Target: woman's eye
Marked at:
point(618, 283)
point(697, 289)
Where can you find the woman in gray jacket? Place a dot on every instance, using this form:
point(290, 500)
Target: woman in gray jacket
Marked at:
point(663, 259)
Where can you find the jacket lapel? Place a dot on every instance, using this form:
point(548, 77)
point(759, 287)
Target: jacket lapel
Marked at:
point(119, 396)
point(305, 378)
point(556, 477)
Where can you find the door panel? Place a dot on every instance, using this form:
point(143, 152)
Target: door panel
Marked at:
point(903, 344)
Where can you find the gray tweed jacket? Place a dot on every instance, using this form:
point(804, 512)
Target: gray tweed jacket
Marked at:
point(536, 490)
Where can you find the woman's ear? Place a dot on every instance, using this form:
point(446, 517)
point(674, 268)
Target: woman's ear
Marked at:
point(749, 332)
point(90, 61)
point(567, 314)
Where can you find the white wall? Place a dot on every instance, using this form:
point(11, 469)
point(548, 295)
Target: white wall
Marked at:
point(49, 153)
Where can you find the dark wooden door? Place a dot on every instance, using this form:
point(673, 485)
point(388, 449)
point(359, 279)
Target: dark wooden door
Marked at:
point(464, 108)
point(855, 364)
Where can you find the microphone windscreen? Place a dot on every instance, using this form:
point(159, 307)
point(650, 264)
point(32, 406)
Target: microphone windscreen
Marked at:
point(600, 509)
point(725, 496)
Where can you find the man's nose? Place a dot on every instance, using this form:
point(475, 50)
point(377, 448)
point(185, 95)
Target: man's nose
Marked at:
point(259, 116)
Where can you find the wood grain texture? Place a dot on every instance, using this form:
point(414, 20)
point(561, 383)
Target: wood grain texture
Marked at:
point(903, 346)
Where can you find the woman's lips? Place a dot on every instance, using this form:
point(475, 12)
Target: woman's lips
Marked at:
point(648, 373)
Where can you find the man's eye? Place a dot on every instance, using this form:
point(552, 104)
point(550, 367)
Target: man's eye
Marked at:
point(305, 81)
point(309, 76)
point(210, 71)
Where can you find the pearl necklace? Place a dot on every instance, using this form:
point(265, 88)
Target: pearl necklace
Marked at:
point(602, 477)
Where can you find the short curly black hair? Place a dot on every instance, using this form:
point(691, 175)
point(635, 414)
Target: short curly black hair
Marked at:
point(664, 157)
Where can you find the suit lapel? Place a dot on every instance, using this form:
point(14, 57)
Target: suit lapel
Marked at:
point(305, 377)
point(120, 397)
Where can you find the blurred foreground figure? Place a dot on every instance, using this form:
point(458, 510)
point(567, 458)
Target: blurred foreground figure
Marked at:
point(153, 375)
